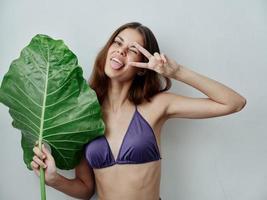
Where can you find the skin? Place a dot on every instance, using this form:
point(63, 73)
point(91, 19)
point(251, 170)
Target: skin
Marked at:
point(141, 181)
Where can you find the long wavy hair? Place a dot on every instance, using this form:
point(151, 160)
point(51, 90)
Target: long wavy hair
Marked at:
point(143, 87)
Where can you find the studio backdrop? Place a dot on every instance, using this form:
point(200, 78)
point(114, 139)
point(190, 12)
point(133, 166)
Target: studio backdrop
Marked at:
point(223, 158)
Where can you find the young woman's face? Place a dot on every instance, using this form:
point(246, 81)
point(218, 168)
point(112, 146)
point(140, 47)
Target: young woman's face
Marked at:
point(121, 52)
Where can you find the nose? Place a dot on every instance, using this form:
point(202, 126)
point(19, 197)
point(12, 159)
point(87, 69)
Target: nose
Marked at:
point(122, 50)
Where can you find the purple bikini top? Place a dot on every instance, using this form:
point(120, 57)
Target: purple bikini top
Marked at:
point(138, 146)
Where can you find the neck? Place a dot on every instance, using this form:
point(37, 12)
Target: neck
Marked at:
point(117, 96)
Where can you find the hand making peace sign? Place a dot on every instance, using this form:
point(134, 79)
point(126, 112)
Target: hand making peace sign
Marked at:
point(157, 62)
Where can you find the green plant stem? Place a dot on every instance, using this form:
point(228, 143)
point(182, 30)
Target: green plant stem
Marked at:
point(42, 177)
point(42, 184)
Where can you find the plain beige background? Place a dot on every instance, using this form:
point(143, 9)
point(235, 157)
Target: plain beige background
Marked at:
point(211, 159)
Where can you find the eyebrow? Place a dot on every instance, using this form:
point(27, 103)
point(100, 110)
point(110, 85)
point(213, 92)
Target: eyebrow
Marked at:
point(132, 46)
point(120, 38)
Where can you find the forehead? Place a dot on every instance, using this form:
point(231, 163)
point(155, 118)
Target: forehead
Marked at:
point(131, 35)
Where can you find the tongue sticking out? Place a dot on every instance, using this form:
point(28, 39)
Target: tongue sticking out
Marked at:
point(115, 65)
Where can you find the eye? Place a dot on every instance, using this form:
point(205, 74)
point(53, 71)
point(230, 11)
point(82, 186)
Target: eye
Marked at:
point(117, 42)
point(133, 51)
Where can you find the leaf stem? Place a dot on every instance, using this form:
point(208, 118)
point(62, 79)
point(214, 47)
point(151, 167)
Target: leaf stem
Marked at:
point(42, 184)
point(42, 174)
point(42, 178)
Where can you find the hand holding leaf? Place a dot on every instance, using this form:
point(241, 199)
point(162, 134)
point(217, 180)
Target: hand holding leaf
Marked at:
point(50, 102)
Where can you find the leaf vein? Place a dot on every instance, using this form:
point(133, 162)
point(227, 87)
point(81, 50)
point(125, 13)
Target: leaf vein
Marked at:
point(62, 99)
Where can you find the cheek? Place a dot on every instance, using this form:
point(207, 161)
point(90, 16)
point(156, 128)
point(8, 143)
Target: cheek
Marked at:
point(134, 58)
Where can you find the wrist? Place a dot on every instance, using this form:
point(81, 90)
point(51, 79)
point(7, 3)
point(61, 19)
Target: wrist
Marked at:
point(180, 74)
point(53, 180)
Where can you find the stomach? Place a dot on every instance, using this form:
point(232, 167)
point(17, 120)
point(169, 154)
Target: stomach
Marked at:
point(129, 181)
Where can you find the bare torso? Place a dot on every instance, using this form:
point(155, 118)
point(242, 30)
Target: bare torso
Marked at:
point(129, 181)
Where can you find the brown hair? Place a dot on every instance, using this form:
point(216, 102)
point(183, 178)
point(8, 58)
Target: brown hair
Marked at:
point(143, 87)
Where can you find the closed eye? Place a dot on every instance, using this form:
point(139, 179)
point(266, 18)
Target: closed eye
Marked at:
point(117, 42)
point(134, 51)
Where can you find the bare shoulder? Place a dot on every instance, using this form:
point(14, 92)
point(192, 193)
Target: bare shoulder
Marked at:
point(167, 105)
point(163, 96)
point(158, 102)
point(155, 109)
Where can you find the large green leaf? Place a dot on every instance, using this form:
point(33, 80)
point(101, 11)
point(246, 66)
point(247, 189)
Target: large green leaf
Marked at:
point(50, 101)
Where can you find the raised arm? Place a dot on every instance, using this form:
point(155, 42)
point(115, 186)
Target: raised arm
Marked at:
point(82, 186)
point(221, 100)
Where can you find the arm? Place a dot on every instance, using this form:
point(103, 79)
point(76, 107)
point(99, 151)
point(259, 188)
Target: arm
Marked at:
point(221, 100)
point(82, 186)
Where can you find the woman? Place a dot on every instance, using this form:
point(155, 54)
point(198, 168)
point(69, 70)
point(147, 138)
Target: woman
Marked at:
point(131, 79)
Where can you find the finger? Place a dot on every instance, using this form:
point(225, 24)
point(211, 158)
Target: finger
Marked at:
point(39, 162)
point(157, 56)
point(142, 50)
point(34, 165)
point(36, 171)
point(163, 58)
point(46, 151)
point(35, 168)
point(167, 58)
point(37, 152)
point(138, 64)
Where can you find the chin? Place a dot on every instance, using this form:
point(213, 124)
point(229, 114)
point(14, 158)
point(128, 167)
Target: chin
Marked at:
point(111, 73)
point(119, 75)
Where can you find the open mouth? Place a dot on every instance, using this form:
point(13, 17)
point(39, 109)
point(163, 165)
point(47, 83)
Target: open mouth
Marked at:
point(116, 63)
